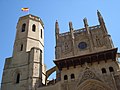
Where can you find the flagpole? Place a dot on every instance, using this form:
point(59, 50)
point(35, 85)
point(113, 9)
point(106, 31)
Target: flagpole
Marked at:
point(28, 11)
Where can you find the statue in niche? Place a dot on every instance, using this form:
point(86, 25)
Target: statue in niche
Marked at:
point(98, 41)
point(66, 46)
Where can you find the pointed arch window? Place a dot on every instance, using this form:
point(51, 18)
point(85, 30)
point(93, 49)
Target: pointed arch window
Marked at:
point(23, 27)
point(65, 77)
point(33, 28)
point(17, 78)
point(111, 69)
point(103, 70)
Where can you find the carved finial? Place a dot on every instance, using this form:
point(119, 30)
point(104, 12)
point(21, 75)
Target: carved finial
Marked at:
point(86, 25)
point(85, 22)
point(100, 18)
point(101, 21)
point(71, 29)
point(56, 27)
point(70, 26)
point(99, 14)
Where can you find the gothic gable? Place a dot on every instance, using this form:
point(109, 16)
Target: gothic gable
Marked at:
point(92, 84)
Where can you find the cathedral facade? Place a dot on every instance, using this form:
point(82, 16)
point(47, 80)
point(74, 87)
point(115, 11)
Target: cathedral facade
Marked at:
point(85, 59)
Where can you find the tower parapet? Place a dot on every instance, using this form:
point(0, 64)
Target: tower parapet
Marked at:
point(33, 17)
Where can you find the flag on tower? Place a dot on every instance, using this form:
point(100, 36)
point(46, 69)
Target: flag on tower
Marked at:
point(25, 9)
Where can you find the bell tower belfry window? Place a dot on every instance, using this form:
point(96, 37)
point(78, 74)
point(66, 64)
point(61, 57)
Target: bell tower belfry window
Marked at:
point(21, 47)
point(33, 32)
point(23, 27)
point(33, 27)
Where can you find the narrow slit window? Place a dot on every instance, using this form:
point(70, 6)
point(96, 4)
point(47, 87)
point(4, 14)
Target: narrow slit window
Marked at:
point(33, 28)
point(23, 27)
point(21, 48)
point(41, 33)
point(18, 78)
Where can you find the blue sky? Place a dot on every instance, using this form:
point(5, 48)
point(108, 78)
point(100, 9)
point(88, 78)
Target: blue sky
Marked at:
point(50, 11)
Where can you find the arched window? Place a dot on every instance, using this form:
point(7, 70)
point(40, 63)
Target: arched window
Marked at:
point(23, 27)
point(111, 69)
point(103, 70)
point(33, 27)
point(18, 78)
point(72, 76)
point(41, 33)
point(65, 77)
point(21, 48)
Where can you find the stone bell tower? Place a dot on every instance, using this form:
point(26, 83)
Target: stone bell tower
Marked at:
point(25, 70)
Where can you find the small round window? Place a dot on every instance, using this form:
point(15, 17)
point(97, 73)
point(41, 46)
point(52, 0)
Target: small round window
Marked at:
point(82, 45)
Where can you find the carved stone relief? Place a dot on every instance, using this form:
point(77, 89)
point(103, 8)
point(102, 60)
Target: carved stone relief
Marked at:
point(88, 74)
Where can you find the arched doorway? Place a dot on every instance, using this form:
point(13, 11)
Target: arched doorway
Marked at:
point(92, 84)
